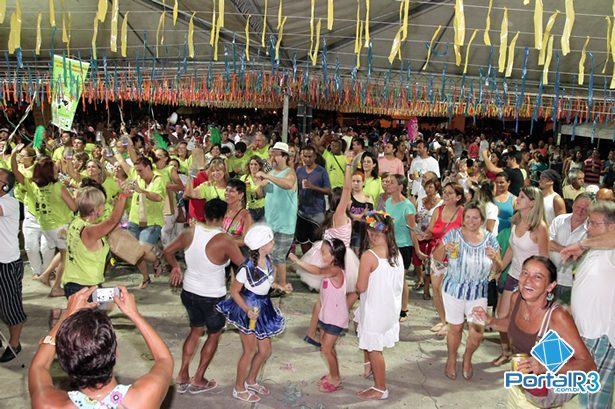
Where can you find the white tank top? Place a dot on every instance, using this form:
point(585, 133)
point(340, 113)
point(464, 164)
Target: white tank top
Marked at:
point(549, 209)
point(203, 277)
point(522, 248)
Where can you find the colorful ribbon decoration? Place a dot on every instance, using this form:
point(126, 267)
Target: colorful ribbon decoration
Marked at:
point(486, 38)
point(582, 62)
point(511, 55)
point(39, 38)
point(459, 24)
point(568, 27)
point(545, 38)
point(124, 35)
point(114, 16)
point(503, 41)
point(538, 24)
point(433, 38)
point(329, 15)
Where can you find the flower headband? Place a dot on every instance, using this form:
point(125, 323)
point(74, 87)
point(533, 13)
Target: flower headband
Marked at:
point(372, 223)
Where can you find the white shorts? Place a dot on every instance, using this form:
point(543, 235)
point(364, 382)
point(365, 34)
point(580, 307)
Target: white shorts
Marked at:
point(56, 238)
point(458, 310)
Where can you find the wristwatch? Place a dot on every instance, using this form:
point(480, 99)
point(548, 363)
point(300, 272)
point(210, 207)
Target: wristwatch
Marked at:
point(49, 340)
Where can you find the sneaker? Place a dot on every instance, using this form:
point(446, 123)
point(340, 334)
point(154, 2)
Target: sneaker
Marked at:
point(403, 315)
point(8, 355)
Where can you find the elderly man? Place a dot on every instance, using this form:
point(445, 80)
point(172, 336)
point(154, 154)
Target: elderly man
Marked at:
point(593, 303)
point(605, 194)
point(11, 267)
point(575, 186)
point(567, 229)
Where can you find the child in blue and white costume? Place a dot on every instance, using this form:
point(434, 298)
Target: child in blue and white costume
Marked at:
point(250, 289)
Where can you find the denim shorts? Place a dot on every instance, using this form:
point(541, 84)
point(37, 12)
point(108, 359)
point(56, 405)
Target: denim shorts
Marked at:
point(145, 235)
point(202, 311)
point(281, 247)
point(330, 329)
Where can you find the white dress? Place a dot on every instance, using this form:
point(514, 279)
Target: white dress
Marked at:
point(378, 314)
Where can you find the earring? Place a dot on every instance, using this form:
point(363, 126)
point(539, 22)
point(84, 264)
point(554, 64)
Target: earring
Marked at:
point(550, 296)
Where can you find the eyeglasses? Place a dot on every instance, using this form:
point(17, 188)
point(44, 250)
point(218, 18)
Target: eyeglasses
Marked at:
point(593, 223)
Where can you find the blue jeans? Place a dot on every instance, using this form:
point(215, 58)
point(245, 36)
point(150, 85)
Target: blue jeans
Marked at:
point(145, 235)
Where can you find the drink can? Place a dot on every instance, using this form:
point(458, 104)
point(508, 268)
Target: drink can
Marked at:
point(516, 360)
point(253, 321)
point(455, 251)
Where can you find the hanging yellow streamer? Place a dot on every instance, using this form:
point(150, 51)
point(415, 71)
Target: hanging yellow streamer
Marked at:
point(511, 55)
point(311, 27)
point(538, 24)
point(212, 33)
point(582, 62)
point(457, 50)
point(526, 2)
point(358, 63)
point(247, 30)
point(70, 23)
point(124, 35)
point(367, 39)
point(39, 38)
point(545, 37)
point(565, 41)
point(404, 26)
point(159, 40)
point(15, 31)
point(613, 37)
point(357, 35)
point(486, 38)
point(94, 35)
point(330, 15)
point(115, 8)
point(52, 14)
point(545, 70)
point(264, 25)
point(2, 10)
point(608, 42)
point(221, 14)
point(612, 86)
point(191, 36)
point(395, 46)
point(64, 31)
point(503, 41)
point(433, 38)
point(459, 24)
point(175, 12)
point(465, 64)
point(279, 15)
point(277, 44)
point(101, 14)
point(317, 45)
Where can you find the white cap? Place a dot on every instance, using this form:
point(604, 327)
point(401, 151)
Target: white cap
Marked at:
point(258, 236)
point(281, 146)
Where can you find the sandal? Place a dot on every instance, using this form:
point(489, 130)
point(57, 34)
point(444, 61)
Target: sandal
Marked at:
point(436, 327)
point(443, 331)
point(257, 388)
point(467, 375)
point(418, 285)
point(385, 393)
point(328, 387)
point(196, 389)
point(183, 387)
point(252, 397)
point(311, 341)
point(504, 358)
point(145, 283)
point(369, 374)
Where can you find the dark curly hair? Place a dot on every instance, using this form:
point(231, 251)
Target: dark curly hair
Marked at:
point(86, 346)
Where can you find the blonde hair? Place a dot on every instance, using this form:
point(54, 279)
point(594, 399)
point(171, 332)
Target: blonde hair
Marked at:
point(103, 171)
point(218, 163)
point(88, 200)
point(537, 214)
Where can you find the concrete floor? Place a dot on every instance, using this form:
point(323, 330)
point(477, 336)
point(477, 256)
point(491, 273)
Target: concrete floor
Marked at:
point(414, 367)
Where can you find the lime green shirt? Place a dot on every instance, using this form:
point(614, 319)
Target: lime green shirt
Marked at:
point(336, 167)
point(233, 162)
point(262, 153)
point(252, 198)
point(89, 148)
point(153, 210)
point(58, 154)
point(208, 191)
point(49, 207)
point(5, 164)
point(83, 266)
point(373, 188)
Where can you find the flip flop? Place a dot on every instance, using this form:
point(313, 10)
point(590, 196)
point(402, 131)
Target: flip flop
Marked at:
point(328, 387)
point(183, 387)
point(257, 388)
point(385, 394)
point(145, 283)
point(238, 395)
point(311, 341)
point(196, 389)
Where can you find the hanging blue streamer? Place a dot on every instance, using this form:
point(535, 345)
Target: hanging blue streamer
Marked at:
point(294, 60)
point(353, 77)
point(234, 55)
point(481, 82)
point(369, 60)
point(185, 59)
point(594, 125)
point(443, 83)
point(590, 91)
point(325, 73)
point(242, 71)
point(272, 53)
point(489, 65)
point(210, 76)
point(430, 94)
point(408, 82)
point(227, 71)
point(338, 78)
point(19, 60)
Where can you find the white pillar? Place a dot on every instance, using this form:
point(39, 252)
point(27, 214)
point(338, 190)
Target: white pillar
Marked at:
point(285, 119)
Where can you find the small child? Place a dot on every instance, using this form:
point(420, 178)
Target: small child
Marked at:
point(333, 315)
point(250, 310)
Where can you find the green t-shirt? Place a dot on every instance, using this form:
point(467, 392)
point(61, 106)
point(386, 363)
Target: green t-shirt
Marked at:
point(208, 191)
point(233, 162)
point(373, 188)
point(82, 265)
point(49, 207)
point(336, 167)
point(398, 211)
point(153, 210)
point(262, 153)
point(58, 154)
point(252, 198)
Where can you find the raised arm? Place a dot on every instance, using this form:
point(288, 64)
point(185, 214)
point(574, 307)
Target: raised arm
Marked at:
point(19, 177)
point(68, 199)
point(340, 217)
point(491, 167)
point(91, 234)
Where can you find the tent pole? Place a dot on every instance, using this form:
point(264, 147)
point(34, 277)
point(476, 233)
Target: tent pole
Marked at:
point(285, 119)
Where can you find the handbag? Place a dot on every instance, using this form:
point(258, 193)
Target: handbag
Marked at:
point(543, 397)
point(492, 293)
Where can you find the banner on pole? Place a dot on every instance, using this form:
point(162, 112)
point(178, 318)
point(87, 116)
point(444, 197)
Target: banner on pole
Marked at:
point(68, 78)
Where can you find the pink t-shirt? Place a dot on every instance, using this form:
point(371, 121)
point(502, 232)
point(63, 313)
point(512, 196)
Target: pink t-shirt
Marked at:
point(391, 166)
point(334, 310)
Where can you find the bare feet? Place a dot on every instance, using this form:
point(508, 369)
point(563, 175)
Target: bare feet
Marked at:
point(43, 278)
point(450, 370)
point(56, 292)
point(147, 281)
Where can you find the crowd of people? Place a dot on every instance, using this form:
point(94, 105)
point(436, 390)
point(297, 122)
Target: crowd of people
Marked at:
point(476, 219)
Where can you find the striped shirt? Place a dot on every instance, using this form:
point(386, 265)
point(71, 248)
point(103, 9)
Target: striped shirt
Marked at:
point(467, 277)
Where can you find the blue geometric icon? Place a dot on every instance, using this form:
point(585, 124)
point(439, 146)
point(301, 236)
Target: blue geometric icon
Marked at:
point(552, 351)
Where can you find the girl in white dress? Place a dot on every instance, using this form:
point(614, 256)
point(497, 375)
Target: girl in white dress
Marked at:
point(380, 284)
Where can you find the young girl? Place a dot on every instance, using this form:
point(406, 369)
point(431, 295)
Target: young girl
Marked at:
point(333, 314)
point(250, 310)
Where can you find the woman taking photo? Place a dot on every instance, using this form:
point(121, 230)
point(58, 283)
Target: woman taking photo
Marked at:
point(380, 283)
point(81, 330)
point(529, 236)
point(530, 315)
point(256, 204)
point(445, 218)
point(472, 253)
point(54, 206)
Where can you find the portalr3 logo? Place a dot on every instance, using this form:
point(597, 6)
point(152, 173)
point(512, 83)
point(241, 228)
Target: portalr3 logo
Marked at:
point(553, 352)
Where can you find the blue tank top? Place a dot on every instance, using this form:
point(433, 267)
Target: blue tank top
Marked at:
point(505, 212)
